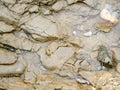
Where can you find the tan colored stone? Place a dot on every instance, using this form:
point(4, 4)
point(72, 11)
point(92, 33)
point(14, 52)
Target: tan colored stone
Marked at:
point(12, 70)
point(9, 1)
point(116, 54)
point(7, 57)
point(5, 27)
point(118, 67)
point(15, 83)
point(51, 48)
point(19, 8)
point(8, 15)
point(18, 42)
point(71, 1)
point(59, 5)
point(34, 9)
point(58, 58)
point(51, 82)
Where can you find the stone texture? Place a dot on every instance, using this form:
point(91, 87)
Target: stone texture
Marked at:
point(33, 66)
point(7, 15)
point(14, 83)
point(7, 57)
point(5, 27)
point(9, 2)
point(49, 37)
point(118, 67)
point(58, 58)
point(43, 29)
point(59, 5)
point(116, 54)
point(15, 69)
point(71, 1)
point(21, 42)
point(56, 83)
point(20, 8)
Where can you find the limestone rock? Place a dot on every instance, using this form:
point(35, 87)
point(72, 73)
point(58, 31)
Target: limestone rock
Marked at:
point(9, 1)
point(5, 27)
point(33, 66)
point(71, 1)
point(116, 54)
point(34, 9)
point(43, 29)
point(59, 5)
point(14, 83)
point(55, 83)
point(20, 42)
point(7, 57)
point(51, 48)
point(30, 77)
point(11, 70)
point(19, 8)
point(58, 58)
point(92, 3)
point(7, 15)
point(118, 67)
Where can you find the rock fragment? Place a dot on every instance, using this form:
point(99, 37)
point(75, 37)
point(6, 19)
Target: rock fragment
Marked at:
point(7, 57)
point(59, 5)
point(15, 69)
point(4, 28)
point(43, 29)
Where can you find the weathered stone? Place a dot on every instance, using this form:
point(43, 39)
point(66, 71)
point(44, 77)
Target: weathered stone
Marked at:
point(32, 62)
point(7, 57)
point(9, 1)
point(51, 48)
point(15, 83)
point(58, 58)
point(34, 9)
point(11, 70)
point(92, 3)
point(7, 15)
point(47, 81)
point(104, 56)
point(5, 27)
point(59, 5)
point(118, 67)
point(29, 77)
point(19, 8)
point(116, 54)
point(33, 66)
point(43, 29)
point(19, 41)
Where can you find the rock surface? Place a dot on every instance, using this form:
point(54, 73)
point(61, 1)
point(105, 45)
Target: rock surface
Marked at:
point(56, 45)
point(7, 57)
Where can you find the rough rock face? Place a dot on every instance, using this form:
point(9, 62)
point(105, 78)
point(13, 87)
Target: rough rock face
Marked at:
point(59, 45)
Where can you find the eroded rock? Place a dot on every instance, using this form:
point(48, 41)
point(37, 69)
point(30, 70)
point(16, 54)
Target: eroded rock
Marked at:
point(55, 83)
point(20, 41)
point(5, 27)
point(58, 58)
point(7, 57)
point(59, 5)
point(43, 29)
point(15, 69)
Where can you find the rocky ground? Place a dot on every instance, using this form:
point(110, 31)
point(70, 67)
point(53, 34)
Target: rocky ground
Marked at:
point(59, 45)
